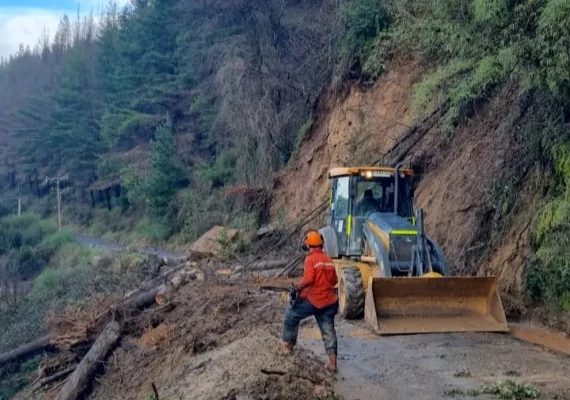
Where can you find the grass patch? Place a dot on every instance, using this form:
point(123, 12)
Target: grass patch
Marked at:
point(302, 134)
point(504, 390)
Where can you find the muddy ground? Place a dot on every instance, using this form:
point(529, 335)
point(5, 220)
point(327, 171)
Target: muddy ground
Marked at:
point(215, 340)
point(219, 342)
point(430, 367)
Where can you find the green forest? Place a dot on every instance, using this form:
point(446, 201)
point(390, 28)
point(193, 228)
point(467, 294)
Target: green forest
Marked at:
point(153, 110)
point(162, 103)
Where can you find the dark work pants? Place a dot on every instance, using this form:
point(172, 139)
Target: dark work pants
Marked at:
point(325, 319)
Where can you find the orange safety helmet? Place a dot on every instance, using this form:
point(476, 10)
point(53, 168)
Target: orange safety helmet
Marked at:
point(314, 239)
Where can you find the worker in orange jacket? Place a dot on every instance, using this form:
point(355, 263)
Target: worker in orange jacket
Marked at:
point(316, 297)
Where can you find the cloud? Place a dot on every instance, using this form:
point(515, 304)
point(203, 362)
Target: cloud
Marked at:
point(26, 25)
point(96, 5)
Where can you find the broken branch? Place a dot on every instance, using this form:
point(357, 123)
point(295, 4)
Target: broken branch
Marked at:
point(46, 381)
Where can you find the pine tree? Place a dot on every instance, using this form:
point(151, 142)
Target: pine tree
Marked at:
point(142, 73)
point(164, 175)
point(73, 135)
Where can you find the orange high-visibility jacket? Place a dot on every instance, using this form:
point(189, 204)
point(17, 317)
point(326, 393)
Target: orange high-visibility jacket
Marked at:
point(319, 280)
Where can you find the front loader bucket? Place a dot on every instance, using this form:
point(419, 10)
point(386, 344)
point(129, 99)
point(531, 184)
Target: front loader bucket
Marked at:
point(429, 305)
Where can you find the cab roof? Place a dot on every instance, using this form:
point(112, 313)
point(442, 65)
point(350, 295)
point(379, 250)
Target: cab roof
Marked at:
point(350, 171)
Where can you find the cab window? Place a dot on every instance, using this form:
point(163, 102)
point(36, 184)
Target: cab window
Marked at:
point(340, 200)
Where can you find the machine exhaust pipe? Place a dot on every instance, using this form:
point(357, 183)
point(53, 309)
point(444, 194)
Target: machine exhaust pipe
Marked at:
point(397, 186)
point(421, 241)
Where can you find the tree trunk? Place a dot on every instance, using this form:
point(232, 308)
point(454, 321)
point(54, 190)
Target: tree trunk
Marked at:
point(25, 350)
point(139, 301)
point(267, 265)
point(161, 279)
point(108, 199)
point(79, 380)
point(291, 266)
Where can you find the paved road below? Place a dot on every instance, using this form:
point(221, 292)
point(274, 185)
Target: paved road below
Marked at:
point(429, 366)
point(109, 245)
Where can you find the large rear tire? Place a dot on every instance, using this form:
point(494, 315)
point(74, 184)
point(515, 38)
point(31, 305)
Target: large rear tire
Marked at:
point(351, 294)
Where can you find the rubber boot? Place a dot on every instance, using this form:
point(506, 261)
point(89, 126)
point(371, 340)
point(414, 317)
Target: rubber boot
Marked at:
point(285, 348)
point(332, 365)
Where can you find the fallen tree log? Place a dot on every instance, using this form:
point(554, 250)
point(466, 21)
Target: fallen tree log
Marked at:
point(140, 301)
point(79, 380)
point(147, 298)
point(161, 279)
point(25, 350)
point(290, 267)
point(270, 273)
point(81, 377)
point(47, 380)
point(136, 301)
point(265, 265)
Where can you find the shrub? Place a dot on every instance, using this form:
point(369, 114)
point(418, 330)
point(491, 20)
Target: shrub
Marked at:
point(18, 377)
point(149, 231)
point(222, 171)
point(377, 55)
point(491, 14)
point(363, 21)
point(27, 261)
point(4, 211)
point(490, 72)
point(547, 276)
point(553, 46)
point(26, 230)
point(196, 212)
point(302, 133)
point(231, 248)
point(55, 241)
point(207, 112)
point(453, 10)
point(434, 84)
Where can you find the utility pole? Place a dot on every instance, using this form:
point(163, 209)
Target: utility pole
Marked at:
point(57, 181)
point(19, 200)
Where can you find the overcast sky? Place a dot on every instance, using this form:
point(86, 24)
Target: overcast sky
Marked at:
point(23, 21)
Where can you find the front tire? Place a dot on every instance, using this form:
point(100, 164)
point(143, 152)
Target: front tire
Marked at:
point(351, 294)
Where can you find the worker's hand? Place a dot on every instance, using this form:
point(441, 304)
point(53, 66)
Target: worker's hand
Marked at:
point(293, 295)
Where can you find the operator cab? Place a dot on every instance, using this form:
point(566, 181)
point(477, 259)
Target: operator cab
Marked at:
point(359, 192)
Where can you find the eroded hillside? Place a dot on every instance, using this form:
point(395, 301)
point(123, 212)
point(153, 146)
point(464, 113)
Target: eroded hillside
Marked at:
point(480, 190)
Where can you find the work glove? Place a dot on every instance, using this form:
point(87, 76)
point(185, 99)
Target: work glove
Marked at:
point(293, 296)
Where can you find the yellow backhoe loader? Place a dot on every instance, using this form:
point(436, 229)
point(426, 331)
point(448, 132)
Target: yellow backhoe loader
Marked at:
point(389, 272)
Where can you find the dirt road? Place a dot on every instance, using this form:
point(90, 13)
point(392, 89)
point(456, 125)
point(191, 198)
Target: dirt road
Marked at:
point(109, 245)
point(430, 367)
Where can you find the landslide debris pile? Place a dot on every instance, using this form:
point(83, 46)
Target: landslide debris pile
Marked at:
point(210, 339)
